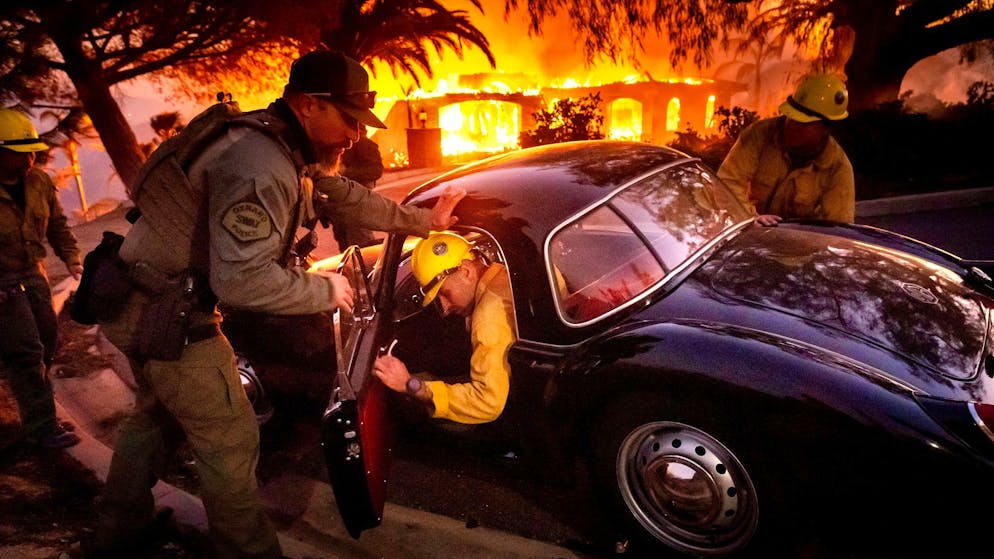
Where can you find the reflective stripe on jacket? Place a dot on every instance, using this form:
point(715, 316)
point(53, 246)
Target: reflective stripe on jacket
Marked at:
point(758, 171)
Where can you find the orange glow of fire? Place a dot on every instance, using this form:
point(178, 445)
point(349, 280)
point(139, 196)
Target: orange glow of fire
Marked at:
point(479, 126)
point(487, 126)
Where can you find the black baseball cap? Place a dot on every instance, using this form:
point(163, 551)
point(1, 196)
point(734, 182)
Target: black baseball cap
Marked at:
point(338, 78)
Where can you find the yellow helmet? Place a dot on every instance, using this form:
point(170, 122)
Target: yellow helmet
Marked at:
point(17, 133)
point(819, 97)
point(435, 257)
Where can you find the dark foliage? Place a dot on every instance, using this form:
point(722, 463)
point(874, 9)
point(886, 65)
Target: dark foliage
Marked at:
point(712, 149)
point(894, 151)
point(568, 120)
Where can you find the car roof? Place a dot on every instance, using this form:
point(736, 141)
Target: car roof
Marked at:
point(576, 173)
point(519, 197)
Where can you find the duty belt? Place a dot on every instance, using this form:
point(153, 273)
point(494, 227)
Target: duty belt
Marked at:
point(10, 291)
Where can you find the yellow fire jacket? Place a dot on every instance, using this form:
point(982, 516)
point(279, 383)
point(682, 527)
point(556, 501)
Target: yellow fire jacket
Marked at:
point(22, 250)
point(758, 171)
point(492, 332)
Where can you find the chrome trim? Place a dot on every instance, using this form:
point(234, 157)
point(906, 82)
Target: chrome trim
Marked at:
point(644, 484)
point(667, 277)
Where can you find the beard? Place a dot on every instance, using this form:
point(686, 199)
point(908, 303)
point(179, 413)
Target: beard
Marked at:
point(329, 160)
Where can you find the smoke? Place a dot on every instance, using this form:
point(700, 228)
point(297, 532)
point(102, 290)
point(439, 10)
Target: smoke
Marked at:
point(944, 78)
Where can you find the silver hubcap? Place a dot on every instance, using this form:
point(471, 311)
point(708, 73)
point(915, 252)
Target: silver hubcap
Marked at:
point(687, 489)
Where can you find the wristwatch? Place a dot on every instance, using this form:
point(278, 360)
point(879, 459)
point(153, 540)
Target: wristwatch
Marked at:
point(414, 385)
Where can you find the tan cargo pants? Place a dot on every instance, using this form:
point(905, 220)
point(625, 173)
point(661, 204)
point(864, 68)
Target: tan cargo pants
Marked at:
point(201, 393)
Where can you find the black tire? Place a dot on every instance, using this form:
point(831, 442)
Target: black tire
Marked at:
point(675, 485)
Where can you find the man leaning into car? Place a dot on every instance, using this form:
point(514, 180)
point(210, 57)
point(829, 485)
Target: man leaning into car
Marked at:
point(451, 270)
point(790, 166)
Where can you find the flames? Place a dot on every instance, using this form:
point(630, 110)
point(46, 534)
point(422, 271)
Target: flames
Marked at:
point(482, 114)
point(479, 127)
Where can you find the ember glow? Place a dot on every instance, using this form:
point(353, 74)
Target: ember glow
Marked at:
point(484, 113)
point(479, 110)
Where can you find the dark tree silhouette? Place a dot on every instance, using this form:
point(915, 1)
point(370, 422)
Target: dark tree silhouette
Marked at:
point(877, 41)
point(398, 32)
point(74, 52)
point(568, 120)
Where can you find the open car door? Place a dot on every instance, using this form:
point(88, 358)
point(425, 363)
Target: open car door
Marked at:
point(356, 427)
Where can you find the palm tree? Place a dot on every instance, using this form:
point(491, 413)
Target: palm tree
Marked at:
point(398, 32)
point(761, 60)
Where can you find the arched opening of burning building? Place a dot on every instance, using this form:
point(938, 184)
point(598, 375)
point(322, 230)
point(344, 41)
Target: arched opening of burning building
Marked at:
point(673, 115)
point(625, 119)
point(709, 121)
point(479, 126)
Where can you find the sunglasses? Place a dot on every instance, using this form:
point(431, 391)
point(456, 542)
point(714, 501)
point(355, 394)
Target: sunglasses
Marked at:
point(364, 99)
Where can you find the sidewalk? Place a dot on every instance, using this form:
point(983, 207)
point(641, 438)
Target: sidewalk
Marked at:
point(932, 201)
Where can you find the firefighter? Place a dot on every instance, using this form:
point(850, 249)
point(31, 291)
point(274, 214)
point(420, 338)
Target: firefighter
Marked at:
point(790, 166)
point(451, 271)
point(29, 214)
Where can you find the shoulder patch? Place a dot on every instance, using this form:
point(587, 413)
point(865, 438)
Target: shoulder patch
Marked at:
point(247, 221)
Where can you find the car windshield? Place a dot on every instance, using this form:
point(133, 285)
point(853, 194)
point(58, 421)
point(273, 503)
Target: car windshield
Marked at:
point(618, 250)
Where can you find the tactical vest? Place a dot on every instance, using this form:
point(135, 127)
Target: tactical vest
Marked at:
point(163, 192)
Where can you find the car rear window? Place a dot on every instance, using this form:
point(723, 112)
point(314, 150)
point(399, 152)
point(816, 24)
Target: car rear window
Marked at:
point(610, 255)
point(599, 263)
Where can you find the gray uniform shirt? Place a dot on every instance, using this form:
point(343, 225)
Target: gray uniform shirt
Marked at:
point(254, 190)
point(253, 193)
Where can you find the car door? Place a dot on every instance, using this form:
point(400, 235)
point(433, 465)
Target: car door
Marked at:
point(356, 428)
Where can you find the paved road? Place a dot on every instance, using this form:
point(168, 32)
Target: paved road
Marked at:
point(967, 232)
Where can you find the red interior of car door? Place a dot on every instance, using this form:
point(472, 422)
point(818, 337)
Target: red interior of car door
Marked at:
point(356, 427)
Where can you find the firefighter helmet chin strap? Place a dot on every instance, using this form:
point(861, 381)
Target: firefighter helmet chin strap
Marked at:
point(805, 110)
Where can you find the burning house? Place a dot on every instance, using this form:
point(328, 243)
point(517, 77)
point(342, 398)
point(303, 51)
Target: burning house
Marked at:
point(484, 113)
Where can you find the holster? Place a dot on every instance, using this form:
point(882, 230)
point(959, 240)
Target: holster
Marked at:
point(165, 323)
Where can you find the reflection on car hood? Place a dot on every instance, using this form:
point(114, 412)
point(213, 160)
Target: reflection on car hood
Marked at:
point(904, 303)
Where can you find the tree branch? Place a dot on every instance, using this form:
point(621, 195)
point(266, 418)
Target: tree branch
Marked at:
point(960, 31)
point(924, 12)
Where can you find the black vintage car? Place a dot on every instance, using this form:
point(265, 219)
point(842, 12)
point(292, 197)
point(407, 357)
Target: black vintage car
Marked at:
point(730, 385)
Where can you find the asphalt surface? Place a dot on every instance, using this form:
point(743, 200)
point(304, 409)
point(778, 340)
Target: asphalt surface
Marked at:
point(423, 519)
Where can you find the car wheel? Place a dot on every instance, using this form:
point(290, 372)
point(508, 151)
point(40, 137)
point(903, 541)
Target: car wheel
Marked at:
point(680, 486)
point(254, 389)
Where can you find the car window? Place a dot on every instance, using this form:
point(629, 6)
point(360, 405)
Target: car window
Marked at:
point(599, 263)
point(679, 210)
point(612, 254)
